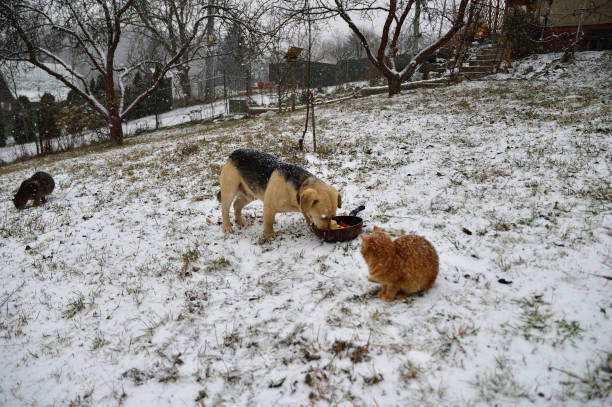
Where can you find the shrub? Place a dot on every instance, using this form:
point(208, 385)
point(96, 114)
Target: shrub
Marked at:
point(520, 32)
point(22, 121)
point(48, 126)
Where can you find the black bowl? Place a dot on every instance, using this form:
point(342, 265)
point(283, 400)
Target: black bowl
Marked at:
point(341, 234)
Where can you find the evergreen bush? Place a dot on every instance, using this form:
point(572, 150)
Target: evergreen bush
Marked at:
point(520, 32)
point(22, 121)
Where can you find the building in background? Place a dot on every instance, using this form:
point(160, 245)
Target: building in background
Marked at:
point(562, 19)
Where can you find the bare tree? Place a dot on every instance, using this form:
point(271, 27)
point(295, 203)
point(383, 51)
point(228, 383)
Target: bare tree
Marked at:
point(395, 15)
point(169, 23)
point(333, 49)
point(40, 32)
point(276, 49)
point(353, 42)
point(416, 27)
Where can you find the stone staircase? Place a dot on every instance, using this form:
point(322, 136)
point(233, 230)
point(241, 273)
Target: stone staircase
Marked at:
point(481, 60)
point(478, 60)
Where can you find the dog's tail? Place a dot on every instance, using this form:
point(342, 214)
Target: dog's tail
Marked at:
point(219, 196)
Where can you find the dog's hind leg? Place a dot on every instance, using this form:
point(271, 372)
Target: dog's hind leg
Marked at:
point(230, 181)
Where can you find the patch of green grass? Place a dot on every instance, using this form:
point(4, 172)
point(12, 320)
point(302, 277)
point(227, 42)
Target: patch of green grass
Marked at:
point(74, 307)
point(537, 323)
point(567, 331)
point(500, 382)
point(595, 384)
point(535, 320)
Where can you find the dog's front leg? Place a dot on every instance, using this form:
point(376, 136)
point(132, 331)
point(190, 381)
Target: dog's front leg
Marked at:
point(227, 224)
point(268, 219)
point(240, 203)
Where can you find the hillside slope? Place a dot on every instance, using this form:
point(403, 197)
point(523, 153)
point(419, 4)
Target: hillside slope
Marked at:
point(122, 289)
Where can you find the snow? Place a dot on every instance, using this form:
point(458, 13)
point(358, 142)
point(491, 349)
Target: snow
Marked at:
point(177, 116)
point(169, 310)
point(33, 82)
point(172, 118)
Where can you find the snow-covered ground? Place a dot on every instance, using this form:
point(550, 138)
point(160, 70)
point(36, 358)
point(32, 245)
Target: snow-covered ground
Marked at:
point(122, 289)
point(177, 116)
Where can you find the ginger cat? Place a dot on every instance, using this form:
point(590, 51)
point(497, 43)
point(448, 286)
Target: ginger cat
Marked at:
point(408, 264)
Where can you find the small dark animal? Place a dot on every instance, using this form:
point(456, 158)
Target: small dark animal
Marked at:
point(36, 188)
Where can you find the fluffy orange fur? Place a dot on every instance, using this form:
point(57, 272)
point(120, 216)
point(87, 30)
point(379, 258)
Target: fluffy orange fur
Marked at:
point(403, 266)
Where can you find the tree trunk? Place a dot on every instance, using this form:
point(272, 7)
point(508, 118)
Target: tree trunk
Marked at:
point(394, 85)
point(209, 62)
point(416, 28)
point(116, 130)
point(185, 82)
point(114, 119)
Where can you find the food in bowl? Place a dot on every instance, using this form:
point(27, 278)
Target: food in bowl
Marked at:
point(333, 225)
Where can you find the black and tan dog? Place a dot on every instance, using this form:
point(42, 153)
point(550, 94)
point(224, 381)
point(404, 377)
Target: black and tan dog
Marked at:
point(250, 174)
point(36, 187)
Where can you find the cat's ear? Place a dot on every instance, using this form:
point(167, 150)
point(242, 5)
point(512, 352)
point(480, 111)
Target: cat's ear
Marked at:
point(377, 229)
point(363, 237)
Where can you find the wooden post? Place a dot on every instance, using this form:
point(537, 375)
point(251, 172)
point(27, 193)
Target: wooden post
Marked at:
point(458, 53)
point(346, 76)
point(496, 17)
point(225, 95)
point(314, 132)
point(291, 57)
point(442, 19)
point(293, 84)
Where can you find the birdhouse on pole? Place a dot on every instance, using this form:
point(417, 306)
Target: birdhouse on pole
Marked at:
point(293, 53)
point(292, 56)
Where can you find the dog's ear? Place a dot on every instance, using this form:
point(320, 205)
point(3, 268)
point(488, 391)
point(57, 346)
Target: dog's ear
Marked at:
point(307, 199)
point(339, 201)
